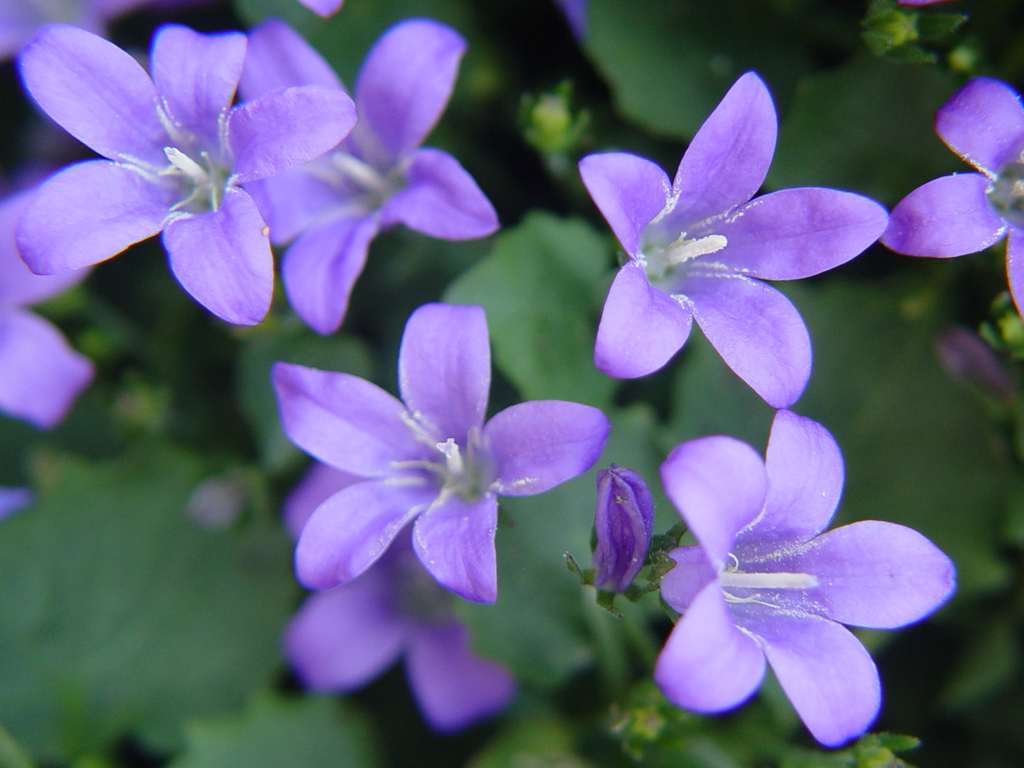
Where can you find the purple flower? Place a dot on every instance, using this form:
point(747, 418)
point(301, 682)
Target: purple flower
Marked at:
point(40, 374)
point(983, 123)
point(623, 523)
point(342, 639)
point(379, 176)
point(763, 583)
point(431, 459)
point(698, 244)
point(177, 154)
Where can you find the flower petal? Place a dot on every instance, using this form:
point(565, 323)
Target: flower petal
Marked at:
point(283, 129)
point(538, 444)
point(454, 687)
point(444, 368)
point(691, 573)
point(406, 81)
point(19, 286)
point(295, 201)
point(875, 574)
point(223, 259)
point(797, 233)
point(805, 481)
point(729, 156)
point(441, 200)
point(628, 190)
point(454, 540)
point(718, 484)
point(756, 330)
point(96, 92)
point(342, 639)
point(707, 664)
point(948, 216)
point(42, 374)
point(1015, 265)
point(67, 226)
point(825, 671)
point(641, 327)
point(321, 267)
point(352, 529)
point(344, 421)
point(983, 123)
point(319, 483)
point(279, 57)
point(196, 76)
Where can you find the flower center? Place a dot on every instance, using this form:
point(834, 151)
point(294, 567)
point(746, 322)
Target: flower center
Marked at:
point(362, 185)
point(664, 261)
point(202, 183)
point(466, 472)
point(731, 577)
point(1006, 195)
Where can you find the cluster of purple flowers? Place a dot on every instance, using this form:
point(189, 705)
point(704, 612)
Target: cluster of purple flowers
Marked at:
point(413, 516)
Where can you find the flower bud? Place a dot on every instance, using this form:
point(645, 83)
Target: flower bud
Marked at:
point(623, 522)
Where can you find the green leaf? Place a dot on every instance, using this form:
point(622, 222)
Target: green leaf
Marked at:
point(292, 343)
point(541, 289)
point(679, 58)
point(865, 126)
point(119, 615)
point(280, 733)
point(532, 741)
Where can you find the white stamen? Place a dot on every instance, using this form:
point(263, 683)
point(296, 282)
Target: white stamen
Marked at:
point(780, 580)
point(186, 165)
point(453, 456)
point(684, 249)
point(363, 174)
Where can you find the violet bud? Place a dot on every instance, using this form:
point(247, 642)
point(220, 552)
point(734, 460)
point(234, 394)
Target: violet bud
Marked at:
point(623, 522)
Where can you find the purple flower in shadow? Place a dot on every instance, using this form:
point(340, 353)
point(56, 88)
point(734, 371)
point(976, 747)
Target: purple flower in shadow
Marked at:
point(699, 247)
point(575, 12)
point(379, 176)
point(431, 458)
point(177, 155)
point(342, 639)
point(765, 582)
point(40, 374)
point(963, 213)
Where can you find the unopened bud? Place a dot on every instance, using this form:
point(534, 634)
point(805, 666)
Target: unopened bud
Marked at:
point(623, 522)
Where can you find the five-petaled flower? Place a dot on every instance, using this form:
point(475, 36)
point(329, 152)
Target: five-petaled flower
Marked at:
point(177, 155)
point(697, 246)
point(379, 176)
point(40, 374)
point(763, 583)
point(623, 526)
point(342, 639)
point(954, 215)
point(431, 459)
